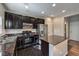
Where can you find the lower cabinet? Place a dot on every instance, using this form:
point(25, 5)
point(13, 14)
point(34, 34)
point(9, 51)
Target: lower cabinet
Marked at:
point(45, 48)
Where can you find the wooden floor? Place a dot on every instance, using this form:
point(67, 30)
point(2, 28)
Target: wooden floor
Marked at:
point(73, 48)
point(30, 51)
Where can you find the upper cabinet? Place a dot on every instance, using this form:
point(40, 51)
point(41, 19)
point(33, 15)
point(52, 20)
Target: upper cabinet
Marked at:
point(14, 21)
point(32, 20)
point(26, 19)
point(17, 22)
point(40, 21)
point(8, 21)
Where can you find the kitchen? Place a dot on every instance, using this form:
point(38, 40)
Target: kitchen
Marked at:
point(33, 36)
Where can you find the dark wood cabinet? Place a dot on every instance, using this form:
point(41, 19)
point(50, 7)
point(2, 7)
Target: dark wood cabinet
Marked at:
point(40, 21)
point(37, 21)
point(45, 48)
point(13, 21)
point(26, 19)
point(17, 22)
point(8, 21)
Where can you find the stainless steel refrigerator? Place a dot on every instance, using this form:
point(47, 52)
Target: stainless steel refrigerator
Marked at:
point(42, 31)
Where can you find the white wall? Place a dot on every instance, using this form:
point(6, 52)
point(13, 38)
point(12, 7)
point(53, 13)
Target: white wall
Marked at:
point(74, 30)
point(55, 26)
point(1, 17)
point(58, 26)
point(2, 10)
point(49, 23)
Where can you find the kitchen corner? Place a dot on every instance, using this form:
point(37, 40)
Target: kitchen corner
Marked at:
point(8, 40)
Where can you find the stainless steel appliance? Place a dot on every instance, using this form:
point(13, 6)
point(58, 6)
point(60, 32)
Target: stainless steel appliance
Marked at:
point(42, 31)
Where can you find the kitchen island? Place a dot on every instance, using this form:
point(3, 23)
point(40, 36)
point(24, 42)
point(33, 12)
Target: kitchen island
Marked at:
point(56, 46)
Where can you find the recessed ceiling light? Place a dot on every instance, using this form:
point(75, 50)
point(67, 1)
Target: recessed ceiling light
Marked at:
point(26, 6)
point(63, 11)
point(42, 12)
point(53, 5)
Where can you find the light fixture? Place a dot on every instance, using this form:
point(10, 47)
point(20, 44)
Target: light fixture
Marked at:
point(63, 11)
point(53, 5)
point(42, 12)
point(26, 6)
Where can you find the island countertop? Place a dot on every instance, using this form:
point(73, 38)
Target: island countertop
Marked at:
point(54, 39)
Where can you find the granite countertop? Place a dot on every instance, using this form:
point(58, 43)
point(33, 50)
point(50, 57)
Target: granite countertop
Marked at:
point(54, 39)
point(8, 45)
point(8, 49)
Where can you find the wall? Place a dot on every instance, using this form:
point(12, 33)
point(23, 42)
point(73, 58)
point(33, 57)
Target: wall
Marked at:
point(55, 26)
point(73, 27)
point(74, 30)
point(2, 17)
point(49, 23)
point(2, 10)
point(58, 26)
point(67, 28)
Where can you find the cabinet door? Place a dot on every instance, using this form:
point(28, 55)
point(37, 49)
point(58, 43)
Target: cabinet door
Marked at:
point(40, 21)
point(13, 21)
point(26, 19)
point(17, 22)
point(34, 25)
point(8, 21)
point(45, 48)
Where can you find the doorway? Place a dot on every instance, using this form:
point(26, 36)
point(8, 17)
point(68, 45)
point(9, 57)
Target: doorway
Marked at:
point(73, 35)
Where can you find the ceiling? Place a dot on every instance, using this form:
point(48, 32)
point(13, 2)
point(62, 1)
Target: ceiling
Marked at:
point(35, 9)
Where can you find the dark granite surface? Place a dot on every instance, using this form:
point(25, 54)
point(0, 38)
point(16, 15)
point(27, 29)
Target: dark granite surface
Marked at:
point(54, 39)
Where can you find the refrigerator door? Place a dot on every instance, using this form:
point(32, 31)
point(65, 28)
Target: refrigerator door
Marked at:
point(42, 31)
